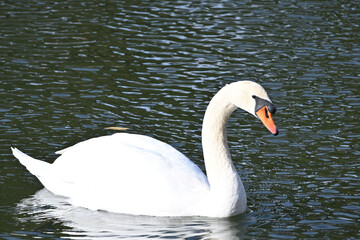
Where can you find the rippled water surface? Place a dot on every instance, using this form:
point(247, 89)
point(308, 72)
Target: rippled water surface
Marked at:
point(70, 69)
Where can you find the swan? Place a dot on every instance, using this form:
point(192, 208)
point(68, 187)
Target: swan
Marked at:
point(139, 175)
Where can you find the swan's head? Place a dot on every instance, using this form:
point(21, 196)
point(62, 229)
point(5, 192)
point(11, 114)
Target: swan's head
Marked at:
point(252, 98)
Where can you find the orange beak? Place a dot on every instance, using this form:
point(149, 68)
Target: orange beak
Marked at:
point(266, 118)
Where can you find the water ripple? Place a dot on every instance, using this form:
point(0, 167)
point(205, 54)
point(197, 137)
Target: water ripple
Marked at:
point(70, 69)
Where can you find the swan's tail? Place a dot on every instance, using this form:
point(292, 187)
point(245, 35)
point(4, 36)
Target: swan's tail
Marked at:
point(36, 167)
point(45, 172)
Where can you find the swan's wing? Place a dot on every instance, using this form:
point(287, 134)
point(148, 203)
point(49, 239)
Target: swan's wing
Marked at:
point(123, 171)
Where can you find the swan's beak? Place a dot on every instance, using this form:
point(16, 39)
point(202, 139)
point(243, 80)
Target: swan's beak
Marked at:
point(266, 118)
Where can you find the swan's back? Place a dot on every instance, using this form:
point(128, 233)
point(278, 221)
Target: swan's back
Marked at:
point(129, 173)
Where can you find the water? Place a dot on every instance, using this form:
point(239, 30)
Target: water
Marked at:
point(70, 69)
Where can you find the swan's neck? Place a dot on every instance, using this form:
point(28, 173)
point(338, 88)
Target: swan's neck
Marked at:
point(225, 184)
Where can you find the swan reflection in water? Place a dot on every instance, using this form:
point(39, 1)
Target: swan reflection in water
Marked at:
point(44, 208)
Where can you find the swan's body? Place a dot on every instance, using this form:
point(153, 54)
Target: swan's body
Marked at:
point(135, 174)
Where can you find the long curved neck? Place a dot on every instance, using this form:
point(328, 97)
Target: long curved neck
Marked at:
point(214, 137)
point(223, 178)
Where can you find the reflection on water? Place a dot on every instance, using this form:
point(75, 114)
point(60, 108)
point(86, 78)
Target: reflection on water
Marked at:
point(44, 210)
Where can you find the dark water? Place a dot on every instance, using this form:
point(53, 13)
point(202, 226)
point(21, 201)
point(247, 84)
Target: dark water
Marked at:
point(70, 69)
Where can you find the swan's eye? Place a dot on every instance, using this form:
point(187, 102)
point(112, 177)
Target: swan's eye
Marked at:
point(253, 96)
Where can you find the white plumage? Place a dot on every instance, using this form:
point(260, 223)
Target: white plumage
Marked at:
point(135, 174)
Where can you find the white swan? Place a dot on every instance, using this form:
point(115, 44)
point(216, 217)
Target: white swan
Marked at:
point(135, 174)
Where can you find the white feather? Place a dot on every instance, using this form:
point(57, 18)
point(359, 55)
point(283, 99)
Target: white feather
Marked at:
point(135, 174)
